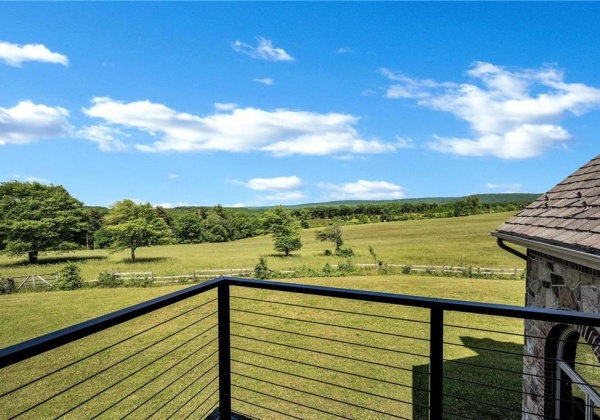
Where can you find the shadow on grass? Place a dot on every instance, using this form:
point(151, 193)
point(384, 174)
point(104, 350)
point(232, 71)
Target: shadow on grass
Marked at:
point(486, 386)
point(142, 260)
point(283, 257)
point(59, 259)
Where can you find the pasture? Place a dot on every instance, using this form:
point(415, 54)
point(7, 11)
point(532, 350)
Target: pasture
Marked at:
point(461, 241)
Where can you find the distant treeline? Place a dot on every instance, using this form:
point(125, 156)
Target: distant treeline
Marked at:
point(395, 211)
point(191, 225)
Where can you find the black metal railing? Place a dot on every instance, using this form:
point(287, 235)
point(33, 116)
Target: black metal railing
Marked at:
point(266, 349)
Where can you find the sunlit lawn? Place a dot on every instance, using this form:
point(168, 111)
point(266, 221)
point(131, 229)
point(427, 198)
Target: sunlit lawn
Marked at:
point(31, 314)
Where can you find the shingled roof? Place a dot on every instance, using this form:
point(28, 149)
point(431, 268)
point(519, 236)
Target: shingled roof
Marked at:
point(567, 216)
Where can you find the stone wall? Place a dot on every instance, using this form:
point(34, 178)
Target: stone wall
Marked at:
point(553, 283)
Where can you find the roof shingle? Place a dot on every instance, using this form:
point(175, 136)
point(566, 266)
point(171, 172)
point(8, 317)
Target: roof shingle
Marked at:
point(568, 215)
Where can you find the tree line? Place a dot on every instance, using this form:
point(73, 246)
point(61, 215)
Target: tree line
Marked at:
point(36, 217)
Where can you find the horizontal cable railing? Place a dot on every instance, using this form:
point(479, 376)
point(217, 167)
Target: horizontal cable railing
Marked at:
point(160, 361)
point(278, 350)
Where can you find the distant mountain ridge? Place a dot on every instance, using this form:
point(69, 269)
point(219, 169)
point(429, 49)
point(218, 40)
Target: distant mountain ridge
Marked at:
point(484, 198)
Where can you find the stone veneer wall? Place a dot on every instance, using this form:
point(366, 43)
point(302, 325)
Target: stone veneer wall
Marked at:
point(554, 283)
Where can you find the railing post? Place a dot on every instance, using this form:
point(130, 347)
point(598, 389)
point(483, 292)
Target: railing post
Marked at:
point(436, 363)
point(224, 353)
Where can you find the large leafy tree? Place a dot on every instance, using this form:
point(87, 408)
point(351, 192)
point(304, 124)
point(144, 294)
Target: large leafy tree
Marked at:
point(130, 226)
point(285, 230)
point(35, 217)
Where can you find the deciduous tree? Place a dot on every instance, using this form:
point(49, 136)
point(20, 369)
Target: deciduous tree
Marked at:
point(35, 217)
point(285, 230)
point(332, 233)
point(132, 225)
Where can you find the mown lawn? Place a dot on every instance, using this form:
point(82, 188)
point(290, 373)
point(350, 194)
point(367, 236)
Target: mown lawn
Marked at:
point(389, 343)
point(463, 241)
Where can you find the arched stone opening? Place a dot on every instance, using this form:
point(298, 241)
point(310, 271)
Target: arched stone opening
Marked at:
point(571, 383)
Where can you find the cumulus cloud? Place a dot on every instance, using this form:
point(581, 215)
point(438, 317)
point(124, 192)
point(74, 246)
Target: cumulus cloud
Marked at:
point(107, 138)
point(363, 190)
point(514, 114)
point(225, 106)
point(274, 184)
point(284, 188)
point(14, 54)
point(27, 122)
point(264, 50)
point(280, 132)
point(267, 81)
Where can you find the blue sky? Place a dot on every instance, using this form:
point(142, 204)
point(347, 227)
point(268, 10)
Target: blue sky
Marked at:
point(259, 104)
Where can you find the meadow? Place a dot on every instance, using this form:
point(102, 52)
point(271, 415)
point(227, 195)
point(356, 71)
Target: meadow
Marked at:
point(461, 241)
point(257, 342)
point(140, 387)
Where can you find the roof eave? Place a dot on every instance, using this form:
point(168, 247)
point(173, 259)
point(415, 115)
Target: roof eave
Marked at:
point(579, 257)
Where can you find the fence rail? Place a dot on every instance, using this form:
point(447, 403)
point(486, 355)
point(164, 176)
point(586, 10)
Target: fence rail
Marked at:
point(45, 281)
point(270, 349)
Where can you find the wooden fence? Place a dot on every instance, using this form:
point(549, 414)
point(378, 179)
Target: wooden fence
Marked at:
point(46, 281)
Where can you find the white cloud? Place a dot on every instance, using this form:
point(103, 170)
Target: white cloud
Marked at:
point(171, 205)
point(404, 142)
point(281, 132)
point(25, 178)
point(363, 190)
point(409, 87)
point(513, 113)
point(507, 188)
point(27, 122)
point(344, 50)
point(525, 141)
point(274, 184)
point(225, 106)
point(105, 137)
point(172, 176)
point(267, 81)
point(14, 54)
point(263, 51)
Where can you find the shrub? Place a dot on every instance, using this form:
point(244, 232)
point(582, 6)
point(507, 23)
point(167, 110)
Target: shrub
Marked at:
point(346, 267)
point(109, 280)
point(327, 269)
point(327, 253)
point(261, 271)
point(345, 252)
point(70, 277)
point(406, 269)
point(141, 282)
point(7, 286)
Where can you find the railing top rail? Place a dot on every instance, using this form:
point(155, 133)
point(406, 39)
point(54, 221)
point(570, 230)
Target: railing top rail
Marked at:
point(510, 311)
point(35, 346)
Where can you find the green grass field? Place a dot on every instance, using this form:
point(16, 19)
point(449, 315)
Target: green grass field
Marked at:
point(31, 314)
point(464, 241)
point(175, 372)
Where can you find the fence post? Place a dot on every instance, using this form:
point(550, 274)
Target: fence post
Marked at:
point(224, 352)
point(436, 363)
